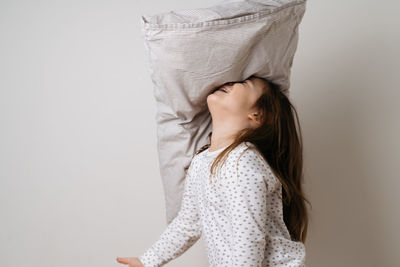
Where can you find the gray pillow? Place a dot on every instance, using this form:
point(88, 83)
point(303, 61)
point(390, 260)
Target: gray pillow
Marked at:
point(193, 51)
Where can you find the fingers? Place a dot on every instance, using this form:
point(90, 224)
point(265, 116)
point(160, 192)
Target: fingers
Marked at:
point(123, 260)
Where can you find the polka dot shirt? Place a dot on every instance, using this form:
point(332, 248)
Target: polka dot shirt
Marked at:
point(239, 214)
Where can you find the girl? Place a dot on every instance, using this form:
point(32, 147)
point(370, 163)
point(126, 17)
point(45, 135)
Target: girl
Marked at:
point(252, 209)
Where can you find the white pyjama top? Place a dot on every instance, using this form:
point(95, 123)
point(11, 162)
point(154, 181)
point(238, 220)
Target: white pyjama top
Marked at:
point(240, 215)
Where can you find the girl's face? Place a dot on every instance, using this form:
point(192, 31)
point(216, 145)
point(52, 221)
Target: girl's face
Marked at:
point(237, 100)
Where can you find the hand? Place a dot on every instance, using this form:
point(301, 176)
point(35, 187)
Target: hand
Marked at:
point(133, 262)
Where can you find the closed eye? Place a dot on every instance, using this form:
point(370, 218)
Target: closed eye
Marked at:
point(241, 82)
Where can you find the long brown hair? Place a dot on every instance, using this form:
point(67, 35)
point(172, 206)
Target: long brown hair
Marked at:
point(280, 143)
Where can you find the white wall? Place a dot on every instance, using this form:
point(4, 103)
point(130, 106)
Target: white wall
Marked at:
point(79, 178)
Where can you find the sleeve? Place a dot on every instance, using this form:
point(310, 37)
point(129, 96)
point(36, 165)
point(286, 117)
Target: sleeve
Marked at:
point(183, 231)
point(247, 211)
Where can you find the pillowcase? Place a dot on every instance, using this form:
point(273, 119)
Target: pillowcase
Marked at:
point(192, 51)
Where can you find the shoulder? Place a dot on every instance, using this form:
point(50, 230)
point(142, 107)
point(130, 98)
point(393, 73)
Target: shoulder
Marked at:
point(249, 162)
point(247, 152)
point(248, 157)
point(191, 166)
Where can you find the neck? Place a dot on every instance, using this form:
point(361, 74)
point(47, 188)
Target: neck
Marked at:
point(222, 134)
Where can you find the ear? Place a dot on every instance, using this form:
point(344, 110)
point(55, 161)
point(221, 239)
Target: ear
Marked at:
point(255, 116)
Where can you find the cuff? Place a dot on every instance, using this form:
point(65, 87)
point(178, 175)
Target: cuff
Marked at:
point(150, 259)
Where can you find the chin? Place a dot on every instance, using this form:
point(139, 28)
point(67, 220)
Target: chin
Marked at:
point(210, 102)
point(215, 104)
point(211, 98)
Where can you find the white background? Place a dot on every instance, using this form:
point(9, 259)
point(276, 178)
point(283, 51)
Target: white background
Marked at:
point(79, 177)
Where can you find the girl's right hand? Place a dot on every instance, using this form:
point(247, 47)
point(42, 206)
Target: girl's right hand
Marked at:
point(133, 262)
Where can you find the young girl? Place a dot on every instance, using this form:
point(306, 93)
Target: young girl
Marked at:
point(252, 209)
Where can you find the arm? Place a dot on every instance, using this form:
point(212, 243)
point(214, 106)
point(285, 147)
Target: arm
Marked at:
point(247, 211)
point(180, 234)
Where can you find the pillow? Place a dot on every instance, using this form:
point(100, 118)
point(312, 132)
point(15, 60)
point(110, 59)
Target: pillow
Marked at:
point(192, 51)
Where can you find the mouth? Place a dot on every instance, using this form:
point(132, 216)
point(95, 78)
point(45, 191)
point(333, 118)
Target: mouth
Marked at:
point(222, 88)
